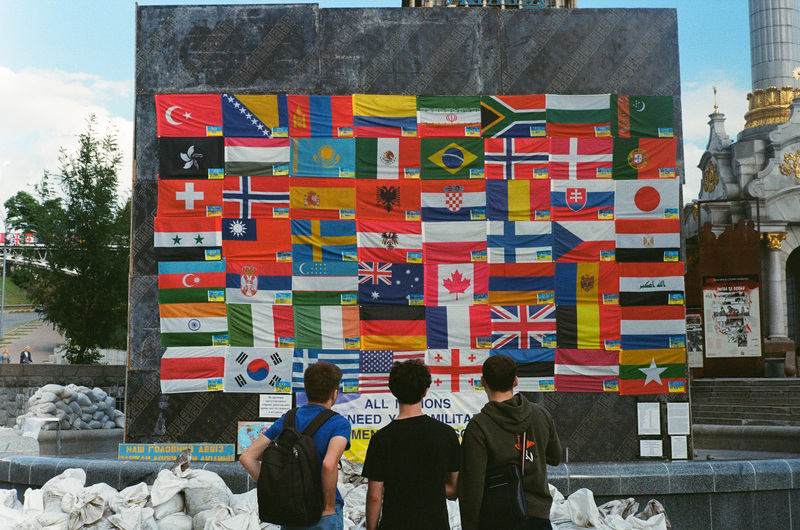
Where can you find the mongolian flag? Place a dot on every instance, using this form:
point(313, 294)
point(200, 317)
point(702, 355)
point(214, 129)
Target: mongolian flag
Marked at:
point(516, 158)
point(451, 158)
point(261, 370)
point(652, 371)
point(196, 369)
point(191, 158)
point(651, 284)
point(381, 116)
point(521, 283)
point(592, 283)
point(588, 200)
point(456, 370)
point(261, 325)
point(642, 116)
point(454, 242)
point(252, 197)
point(648, 199)
point(327, 327)
point(570, 116)
point(326, 283)
point(393, 328)
point(257, 157)
point(322, 198)
point(392, 241)
point(523, 326)
point(258, 282)
point(449, 116)
point(383, 201)
point(323, 157)
point(586, 370)
point(513, 116)
point(191, 281)
point(189, 115)
point(588, 327)
point(256, 239)
point(387, 158)
point(187, 239)
point(201, 324)
point(519, 242)
point(391, 283)
point(644, 158)
point(190, 198)
point(535, 368)
point(653, 327)
point(453, 200)
point(518, 200)
point(580, 241)
point(320, 116)
point(258, 116)
point(456, 326)
point(323, 240)
point(645, 240)
point(456, 284)
point(581, 158)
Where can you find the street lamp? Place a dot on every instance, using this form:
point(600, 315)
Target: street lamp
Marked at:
point(3, 290)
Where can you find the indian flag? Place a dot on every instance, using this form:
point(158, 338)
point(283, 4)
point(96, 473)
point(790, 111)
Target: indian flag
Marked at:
point(193, 324)
point(578, 115)
point(192, 369)
point(257, 156)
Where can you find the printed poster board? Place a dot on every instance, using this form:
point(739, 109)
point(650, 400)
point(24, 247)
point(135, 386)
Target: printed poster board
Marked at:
point(731, 316)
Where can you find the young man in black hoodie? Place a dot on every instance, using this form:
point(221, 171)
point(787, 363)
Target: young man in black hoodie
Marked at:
point(493, 438)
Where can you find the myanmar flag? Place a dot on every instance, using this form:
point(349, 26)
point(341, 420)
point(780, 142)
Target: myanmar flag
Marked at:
point(518, 200)
point(588, 327)
point(574, 116)
point(387, 158)
point(449, 116)
point(327, 327)
point(642, 116)
point(393, 328)
point(644, 158)
point(451, 158)
point(384, 116)
point(652, 371)
point(513, 116)
point(322, 198)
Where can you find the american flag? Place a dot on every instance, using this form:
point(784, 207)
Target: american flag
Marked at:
point(375, 366)
point(522, 327)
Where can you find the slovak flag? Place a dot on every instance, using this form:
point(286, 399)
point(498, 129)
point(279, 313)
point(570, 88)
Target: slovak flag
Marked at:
point(589, 200)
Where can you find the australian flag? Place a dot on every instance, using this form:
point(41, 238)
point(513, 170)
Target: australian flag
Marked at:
point(390, 283)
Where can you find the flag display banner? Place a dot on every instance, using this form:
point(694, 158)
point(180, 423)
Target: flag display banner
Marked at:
point(320, 116)
point(261, 325)
point(454, 242)
point(535, 368)
point(395, 242)
point(648, 199)
point(588, 327)
point(191, 281)
point(325, 283)
point(254, 116)
point(256, 239)
point(518, 200)
point(592, 283)
point(575, 116)
point(323, 157)
point(381, 116)
point(521, 283)
point(519, 242)
point(391, 283)
point(644, 158)
point(261, 370)
point(449, 116)
point(579, 241)
point(252, 197)
point(381, 200)
point(323, 240)
point(199, 324)
point(190, 198)
point(651, 284)
point(393, 328)
point(190, 158)
point(458, 327)
point(387, 158)
point(327, 327)
point(322, 198)
point(652, 371)
point(453, 200)
point(197, 369)
point(194, 115)
point(258, 282)
point(642, 116)
point(513, 116)
point(456, 283)
point(648, 240)
point(653, 327)
point(523, 326)
point(451, 158)
point(581, 158)
point(588, 200)
point(517, 158)
point(586, 370)
point(456, 370)
point(257, 157)
point(187, 239)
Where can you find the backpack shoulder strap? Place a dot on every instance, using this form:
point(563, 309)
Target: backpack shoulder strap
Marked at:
point(288, 418)
point(318, 421)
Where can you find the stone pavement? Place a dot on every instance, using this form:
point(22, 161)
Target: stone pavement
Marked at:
point(41, 336)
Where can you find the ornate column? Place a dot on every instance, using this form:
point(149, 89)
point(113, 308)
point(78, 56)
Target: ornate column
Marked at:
point(777, 287)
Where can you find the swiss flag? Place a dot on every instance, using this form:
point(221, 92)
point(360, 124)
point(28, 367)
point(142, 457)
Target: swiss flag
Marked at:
point(190, 198)
point(189, 114)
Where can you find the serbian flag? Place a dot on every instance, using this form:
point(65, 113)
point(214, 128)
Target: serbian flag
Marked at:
point(642, 116)
point(580, 241)
point(256, 239)
point(387, 158)
point(323, 240)
point(382, 116)
point(586, 370)
point(519, 242)
point(190, 198)
point(523, 326)
point(393, 327)
point(516, 158)
point(453, 200)
point(254, 116)
point(646, 240)
point(644, 158)
point(647, 199)
point(258, 282)
point(322, 198)
point(518, 200)
point(261, 370)
point(193, 324)
point(196, 369)
point(253, 197)
point(187, 239)
point(534, 368)
point(513, 116)
point(651, 284)
point(589, 327)
point(390, 241)
point(581, 158)
point(653, 327)
point(456, 370)
point(454, 242)
point(652, 371)
point(261, 325)
point(570, 116)
point(191, 158)
point(381, 200)
point(189, 115)
point(320, 116)
point(453, 327)
point(521, 283)
point(589, 200)
point(449, 116)
point(592, 283)
point(456, 284)
point(257, 157)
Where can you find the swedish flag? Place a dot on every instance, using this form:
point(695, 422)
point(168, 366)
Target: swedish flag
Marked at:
point(451, 158)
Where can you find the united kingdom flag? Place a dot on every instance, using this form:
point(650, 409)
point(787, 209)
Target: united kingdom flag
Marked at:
point(377, 273)
point(16, 240)
point(523, 327)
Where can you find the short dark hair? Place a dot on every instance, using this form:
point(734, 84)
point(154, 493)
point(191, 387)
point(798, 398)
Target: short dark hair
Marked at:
point(499, 372)
point(320, 380)
point(409, 380)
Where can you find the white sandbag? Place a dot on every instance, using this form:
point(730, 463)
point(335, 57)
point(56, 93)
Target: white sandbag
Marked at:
point(582, 508)
point(8, 499)
point(176, 521)
point(111, 403)
point(67, 393)
point(63, 406)
point(202, 520)
point(109, 425)
point(54, 489)
point(245, 502)
point(99, 393)
point(244, 521)
point(86, 418)
point(75, 407)
point(205, 489)
point(119, 421)
point(134, 518)
point(34, 502)
point(83, 400)
point(134, 496)
point(10, 518)
point(94, 424)
point(98, 414)
point(355, 504)
point(46, 397)
point(101, 405)
point(174, 505)
point(45, 408)
point(166, 485)
point(52, 387)
point(53, 520)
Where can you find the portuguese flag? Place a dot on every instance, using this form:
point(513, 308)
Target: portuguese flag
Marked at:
point(642, 116)
point(652, 371)
point(644, 158)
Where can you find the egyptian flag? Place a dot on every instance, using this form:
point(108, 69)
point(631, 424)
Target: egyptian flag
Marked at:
point(454, 326)
point(191, 281)
point(518, 200)
point(586, 370)
point(581, 241)
point(651, 284)
point(253, 197)
point(187, 239)
point(261, 370)
point(644, 158)
point(322, 198)
point(535, 368)
point(257, 157)
point(589, 327)
point(381, 200)
point(581, 158)
point(513, 116)
point(516, 158)
point(652, 371)
point(393, 327)
point(254, 116)
point(256, 239)
point(587, 200)
point(258, 282)
point(646, 240)
point(189, 115)
point(642, 116)
point(390, 241)
point(387, 158)
point(592, 283)
point(647, 199)
point(195, 369)
point(384, 116)
point(456, 284)
point(191, 158)
point(320, 116)
point(571, 116)
point(653, 327)
point(453, 200)
point(521, 283)
point(454, 242)
point(449, 116)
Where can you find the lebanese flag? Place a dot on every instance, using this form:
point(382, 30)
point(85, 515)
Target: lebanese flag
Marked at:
point(196, 369)
point(516, 158)
point(452, 327)
point(257, 239)
point(586, 370)
point(190, 198)
point(320, 116)
point(456, 284)
point(454, 242)
point(579, 241)
point(581, 158)
point(651, 284)
point(251, 197)
point(648, 199)
point(382, 201)
point(189, 115)
point(646, 240)
point(456, 370)
point(653, 327)
point(390, 241)
point(393, 327)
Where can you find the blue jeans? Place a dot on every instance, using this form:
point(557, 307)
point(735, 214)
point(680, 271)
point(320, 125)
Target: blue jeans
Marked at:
point(334, 521)
point(534, 523)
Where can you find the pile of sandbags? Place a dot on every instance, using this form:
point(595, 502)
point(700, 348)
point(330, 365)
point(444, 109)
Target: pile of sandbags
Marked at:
point(76, 407)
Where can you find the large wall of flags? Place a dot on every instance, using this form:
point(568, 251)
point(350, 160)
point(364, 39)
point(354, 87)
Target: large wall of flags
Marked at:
point(365, 229)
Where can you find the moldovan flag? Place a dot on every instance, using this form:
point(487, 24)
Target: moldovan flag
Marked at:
point(326, 283)
point(521, 283)
point(454, 242)
point(320, 116)
point(519, 242)
point(648, 199)
point(586, 370)
point(390, 241)
point(381, 200)
point(323, 240)
point(644, 158)
point(191, 281)
point(581, 158)
point(197, 369)
point(449, 116)
point(322, 198)
point(456, 284)
point(588, 327)
point(588, 200)
point(579, 241)
point(651, 284)
point(327, 327)
point(387, 158)
point(190, 198)
point(451, 158)
point(258, 282)
point(570, 116)
point(391, 283)
point(516, 158)
point(187, 239)
point(457, 370)
point(456, 326)
point(642, 116)
point(393, 327)
point(518, 200)
point(201, 324)
point(256, 239)
point(252, 197)
point(535, 368)
point(261, 325)
point(189, 115)
point(652, 371)
point(645, 240)
point(262, 370)
point(257, 157)
point(453, 200)
point(513, 116)
point(653, 327)
point(381, 116)
point(191, 158)
point(592, 283)
point(523, 326)
point(323, 157)
point(254, 116)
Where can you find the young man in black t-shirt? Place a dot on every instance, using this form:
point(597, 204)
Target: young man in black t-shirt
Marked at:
point(412, 463)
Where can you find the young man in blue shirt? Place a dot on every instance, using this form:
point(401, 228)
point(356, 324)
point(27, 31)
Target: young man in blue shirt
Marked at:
point(321, 382)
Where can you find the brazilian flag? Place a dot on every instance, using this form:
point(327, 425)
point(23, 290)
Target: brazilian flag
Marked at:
point(451, 158)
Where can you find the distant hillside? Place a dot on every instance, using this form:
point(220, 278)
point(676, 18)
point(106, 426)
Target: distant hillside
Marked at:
point(14, 294)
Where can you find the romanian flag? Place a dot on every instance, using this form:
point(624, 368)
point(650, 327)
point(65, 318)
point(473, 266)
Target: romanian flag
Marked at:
point(451, 158)
point(513, 116)
point(449, 116)
point(393, 327)
point(653, 327)
point(383, 201)
point(589, 327)
point(189, 115)
point(254, 116)
point(190, 198)
point(327, 327)
point(323, 157)
point(380, 116)
point(644, 158)
point(256, 239)
point(320, 116)
point(652, 371)
point(387, 158)
point(586, 370)
point(200, 324)
point(592, 283)
point(642, 116)
point(196, 369)
point(518, 200)
point(322, 198)
point(521, 283)
point(187, 239)
point(323, 240)
point(390, 241)
point(516, 158)
point(570, 116)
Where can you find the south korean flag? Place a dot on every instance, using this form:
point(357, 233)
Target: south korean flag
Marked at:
point(261, 370)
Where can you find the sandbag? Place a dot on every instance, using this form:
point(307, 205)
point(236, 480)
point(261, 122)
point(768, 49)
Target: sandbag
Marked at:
point(176, 521)
point(53, 520)
point(10, 518)
point(133, 518)
point(174, 505)
point(54, 489)
point(203, 519)
point(132, 496)
point(33, 502)
point(205, 490)
point(8, 499)
point(166, 485)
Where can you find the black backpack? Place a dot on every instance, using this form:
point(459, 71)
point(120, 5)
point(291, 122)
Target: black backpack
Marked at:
point(290, 483)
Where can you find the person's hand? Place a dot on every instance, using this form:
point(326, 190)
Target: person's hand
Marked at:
point(330, 511)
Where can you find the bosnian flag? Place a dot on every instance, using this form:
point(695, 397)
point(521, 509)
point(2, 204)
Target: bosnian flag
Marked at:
point(587, 370)
point(262, 370)
point(196, 369)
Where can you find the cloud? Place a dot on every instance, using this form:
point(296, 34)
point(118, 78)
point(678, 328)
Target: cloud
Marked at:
point(45, 110)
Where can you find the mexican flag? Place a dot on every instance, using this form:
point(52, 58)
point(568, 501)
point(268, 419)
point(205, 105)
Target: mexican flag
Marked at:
point(387, 158)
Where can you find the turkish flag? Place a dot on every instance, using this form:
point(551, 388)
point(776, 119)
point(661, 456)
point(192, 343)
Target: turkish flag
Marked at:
point(189, 114)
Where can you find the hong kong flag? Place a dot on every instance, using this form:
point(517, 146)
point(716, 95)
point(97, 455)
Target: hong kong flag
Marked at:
point(189, 115)
point(455, 370)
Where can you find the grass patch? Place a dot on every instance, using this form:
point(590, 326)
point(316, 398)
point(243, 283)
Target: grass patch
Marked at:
point(15, 295)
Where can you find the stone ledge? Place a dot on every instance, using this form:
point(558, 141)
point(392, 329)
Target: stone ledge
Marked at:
point(80, 442)
point(779, 438)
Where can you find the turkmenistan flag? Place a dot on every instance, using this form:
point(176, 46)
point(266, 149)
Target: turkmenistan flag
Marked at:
point(574, 116)
point(513, 116)
point(261, 325)
point(644, 158)
point(387, 158)
point(327, 327)
point(201, 324)
point(451, 158)
point(642, 116)
point(652, 371)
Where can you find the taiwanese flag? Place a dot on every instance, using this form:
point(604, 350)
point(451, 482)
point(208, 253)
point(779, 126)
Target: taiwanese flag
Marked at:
point(453, 200)
point(393, 327)
point(380, 200)
point(189, 115)
point(258, 282)
point(253, 197)
point(590, 200)
point(586, 370)
point(523, 326)
point(652, 371)
point(593, 283)
point(390, 241)
point(196, 369)
point(534, 368)
point(456, 284)
point(456, 370)
point(322, 198)
point(518, 200)
point(653, 327)
point(191, 158)
point(651, 284)
point(256, 239)
point(642, 116)
point(580, 241)
point(589, 327)
point(457, 326)
point(191, 281)
point(187, 239)
point(570, 116)
point(521, 283)
point(648, 240)
point(387, 158)
point(320, 116)
point(644, 158)
point(516, 158)
point(190, 198)
point(454, 242)
point(254, 116)
point(581, 158)
point(391, 283)
point(382, 116)
point(513, 116)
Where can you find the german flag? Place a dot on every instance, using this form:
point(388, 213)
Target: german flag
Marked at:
point(393, 328)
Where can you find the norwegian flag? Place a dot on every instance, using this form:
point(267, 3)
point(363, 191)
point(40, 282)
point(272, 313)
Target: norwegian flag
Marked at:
point(377, 273)
point(516, 158)
point(523, 326)
point(455, 370)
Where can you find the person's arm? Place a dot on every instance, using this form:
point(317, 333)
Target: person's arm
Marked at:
point(251, 457)
point(374, 503)
point(552, 453)
point(451, 486)
point(473, 473)
point(330, 473)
